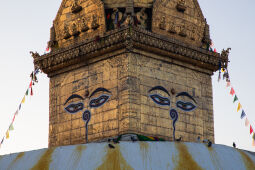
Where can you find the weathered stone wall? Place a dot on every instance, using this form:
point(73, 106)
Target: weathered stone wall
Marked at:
point(130, 109)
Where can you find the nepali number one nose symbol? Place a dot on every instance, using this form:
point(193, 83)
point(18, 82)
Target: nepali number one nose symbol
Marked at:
point(95, 101)
point(165, 101)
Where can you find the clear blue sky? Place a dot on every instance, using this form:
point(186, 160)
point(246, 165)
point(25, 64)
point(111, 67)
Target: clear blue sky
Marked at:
point(25, 26)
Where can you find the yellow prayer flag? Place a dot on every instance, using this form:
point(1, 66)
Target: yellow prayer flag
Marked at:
point(23, 100)
point(239, 107)
point(7, 135)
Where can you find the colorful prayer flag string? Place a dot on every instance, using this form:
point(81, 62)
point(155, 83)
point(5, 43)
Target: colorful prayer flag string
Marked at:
point(239, 107)
point(33, 80)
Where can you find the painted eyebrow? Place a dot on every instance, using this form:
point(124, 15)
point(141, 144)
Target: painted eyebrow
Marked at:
point(159, 88)
point(187, 95)
point(98, 90)
point(73, 97)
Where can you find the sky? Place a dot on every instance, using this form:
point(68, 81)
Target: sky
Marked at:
point(25, 26)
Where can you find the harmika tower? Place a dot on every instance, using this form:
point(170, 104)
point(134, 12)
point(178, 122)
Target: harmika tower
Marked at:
point(131, 68)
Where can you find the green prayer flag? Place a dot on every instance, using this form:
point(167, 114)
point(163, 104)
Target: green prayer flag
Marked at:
point(11, 127)
point(27, 92)
point(235, 99)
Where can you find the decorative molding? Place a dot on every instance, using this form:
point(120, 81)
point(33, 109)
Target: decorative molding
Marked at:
point(128, 38)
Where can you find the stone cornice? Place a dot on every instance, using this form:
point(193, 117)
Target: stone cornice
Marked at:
point(128, 38)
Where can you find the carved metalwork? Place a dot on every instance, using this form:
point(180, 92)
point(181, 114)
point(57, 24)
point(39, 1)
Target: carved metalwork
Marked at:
point(74, 29)
point(183, 30)
point(172, 28)
point(181, 6)
point(34, 54)
point(66, 33)
point(117, 17)
point(83, 25)
point(94, 24)
point(206, 39)
point(129, 38)
point(75, 8)
point(142, 18)
point(225, 53)
point(52, 43)
point(162, 24)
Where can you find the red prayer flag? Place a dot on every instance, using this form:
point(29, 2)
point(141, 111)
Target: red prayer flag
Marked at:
point(251, 130)
point(232, 91)
point(47, 49)
point(13, 118)
point(31, 92)
point(31, 83)
point(228, 84)
point(215, 50)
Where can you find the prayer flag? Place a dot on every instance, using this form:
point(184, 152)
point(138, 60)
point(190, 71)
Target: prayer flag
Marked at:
point(17, 112)
point(228, 83)
point(31, 83)
point(2, 141)
point(31, 92)
point(247, 122)
point(253, 136)
point(243, 114)
point(7, 134)
point(27, 92)
point(11, 127)
point(48, 48)
point(235, 99)
point(251, 130)
point(222, 70)
point(23, 100)
point(19, 106)
point(13, 118)
point(215, 50)
point(239, 107)
point(232, 91)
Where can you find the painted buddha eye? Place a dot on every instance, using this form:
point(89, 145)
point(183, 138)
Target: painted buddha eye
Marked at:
point(97, 102)
point(74, 108)
point(185, 106)
point(160, 100)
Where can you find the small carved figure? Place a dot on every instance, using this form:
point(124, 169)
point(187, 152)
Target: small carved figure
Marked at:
point(94, 24)
point(142, 17)
point(181, 6)
point(172, 28)
point(206, 38)
point(162, 24)
point(192, 33)
point(225, 53)
point(128, 21)
point(52, 41)
point(34, 54)
point(74, 30)
point(183, 31)
point(116, 17)
point(66, 33)
point(75, 7)
point(83, 25)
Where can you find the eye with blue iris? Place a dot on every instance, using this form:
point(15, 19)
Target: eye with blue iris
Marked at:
point(164, 101)
point(74, 107)
point(185, 106)
point(99, 101)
